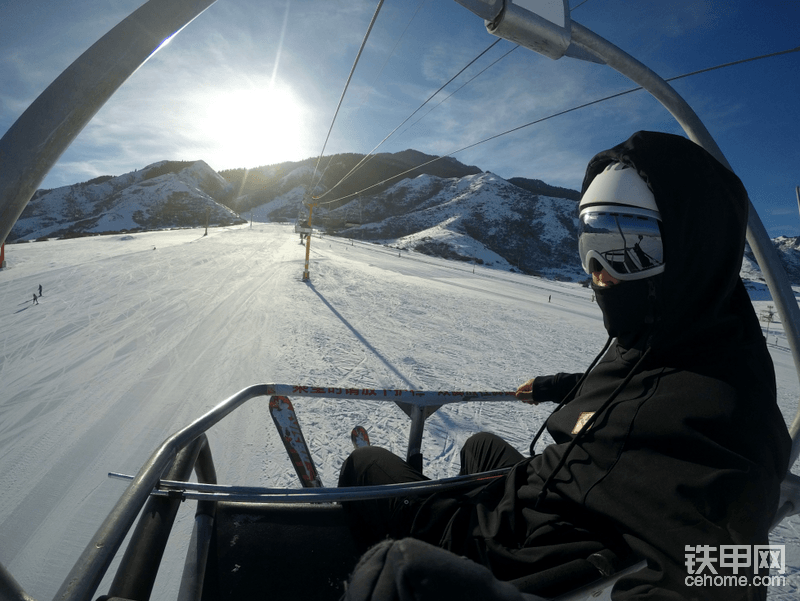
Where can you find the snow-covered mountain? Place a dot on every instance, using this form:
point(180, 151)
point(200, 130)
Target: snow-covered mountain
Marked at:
point(789, 250)
point(517, 224)
point(336, 177)
point(478, 218)
point(162, 195)
point(440, 207)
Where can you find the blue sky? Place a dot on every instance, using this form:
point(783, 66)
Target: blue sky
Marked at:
point(251, 83)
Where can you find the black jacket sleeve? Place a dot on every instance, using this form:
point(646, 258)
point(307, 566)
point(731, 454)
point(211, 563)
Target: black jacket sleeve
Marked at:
point(553, 388)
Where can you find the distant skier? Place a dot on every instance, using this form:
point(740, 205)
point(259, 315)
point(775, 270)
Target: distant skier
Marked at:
point(35, 300)
point(40, 290)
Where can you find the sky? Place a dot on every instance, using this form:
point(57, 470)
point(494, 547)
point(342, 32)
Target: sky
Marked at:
point(251, 83)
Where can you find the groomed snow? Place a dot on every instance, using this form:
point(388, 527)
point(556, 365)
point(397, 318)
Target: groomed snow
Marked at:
point(137, 335)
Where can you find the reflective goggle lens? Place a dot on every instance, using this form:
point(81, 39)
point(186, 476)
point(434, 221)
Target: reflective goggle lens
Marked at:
point(628, 246)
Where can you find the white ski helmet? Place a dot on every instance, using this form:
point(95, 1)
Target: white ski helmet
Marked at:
point(620, 225)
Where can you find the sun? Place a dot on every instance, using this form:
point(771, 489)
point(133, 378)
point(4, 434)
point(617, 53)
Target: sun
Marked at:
point(249, 127)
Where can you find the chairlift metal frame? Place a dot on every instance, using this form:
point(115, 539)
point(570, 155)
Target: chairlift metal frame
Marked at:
point(38, 138)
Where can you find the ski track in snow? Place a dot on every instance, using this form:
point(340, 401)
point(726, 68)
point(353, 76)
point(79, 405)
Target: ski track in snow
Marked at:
point(138, 335)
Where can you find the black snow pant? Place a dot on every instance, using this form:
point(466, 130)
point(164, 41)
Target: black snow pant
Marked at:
point(411, 569)
point(406, 568)
point(372, 521)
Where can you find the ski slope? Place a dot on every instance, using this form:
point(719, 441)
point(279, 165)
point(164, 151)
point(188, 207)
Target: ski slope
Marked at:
point(137, 335)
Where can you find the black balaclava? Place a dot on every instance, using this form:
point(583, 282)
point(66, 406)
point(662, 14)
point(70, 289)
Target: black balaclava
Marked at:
point(699, 297)
point(628, 308)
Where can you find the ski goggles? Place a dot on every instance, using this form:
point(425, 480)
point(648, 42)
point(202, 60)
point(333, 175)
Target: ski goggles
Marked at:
point(625, 241)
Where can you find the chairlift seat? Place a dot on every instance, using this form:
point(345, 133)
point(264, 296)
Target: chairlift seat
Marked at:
point(279, 551)
point(301, 551)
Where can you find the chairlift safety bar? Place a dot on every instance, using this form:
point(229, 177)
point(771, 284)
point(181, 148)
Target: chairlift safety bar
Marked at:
point(91, 566)
point(199, 491)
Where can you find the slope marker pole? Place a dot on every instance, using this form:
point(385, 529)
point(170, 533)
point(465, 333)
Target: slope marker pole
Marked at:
point(308, 242)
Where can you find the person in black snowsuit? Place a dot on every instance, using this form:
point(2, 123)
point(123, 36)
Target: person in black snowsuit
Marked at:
point(671, 440)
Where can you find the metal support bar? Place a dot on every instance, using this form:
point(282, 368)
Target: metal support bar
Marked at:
point(796, 192)
point(194, 568)
point(85, 576)
point(425, 398)
point(34, 143)
point(137, 571)
point(414, 453)
point(264, 495)
point(549, 38)
point(10, 590)
point(88, 571)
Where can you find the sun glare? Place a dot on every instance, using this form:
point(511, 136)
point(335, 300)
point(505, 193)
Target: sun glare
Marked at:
point(254, 127)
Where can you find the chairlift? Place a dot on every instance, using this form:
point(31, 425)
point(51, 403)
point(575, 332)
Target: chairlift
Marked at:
point(301, 227)
point(272, 528)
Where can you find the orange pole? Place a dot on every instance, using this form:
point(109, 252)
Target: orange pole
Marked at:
point(308, 242)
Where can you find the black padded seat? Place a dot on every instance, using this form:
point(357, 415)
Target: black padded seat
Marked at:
point(279, 551)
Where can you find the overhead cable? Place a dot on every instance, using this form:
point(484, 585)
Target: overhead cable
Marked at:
point(389, 56)
point(477, 75)
point(349, 77)
point(739, 62)
point(558, 114)
point(578, 5)
point(370, 154)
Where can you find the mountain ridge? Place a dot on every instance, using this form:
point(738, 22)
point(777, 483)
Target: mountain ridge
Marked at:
point(163, 194)
point(434, 205)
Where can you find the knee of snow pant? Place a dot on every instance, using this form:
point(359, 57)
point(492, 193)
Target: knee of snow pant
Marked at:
point(485, 451)
point(410, 569)
point(367, 466)
point(374, 520)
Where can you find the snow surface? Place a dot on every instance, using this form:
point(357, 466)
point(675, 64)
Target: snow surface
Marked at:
point(137, 335)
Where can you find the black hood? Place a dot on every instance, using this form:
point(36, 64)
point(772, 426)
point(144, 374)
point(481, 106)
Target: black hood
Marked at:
point(704, 209)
